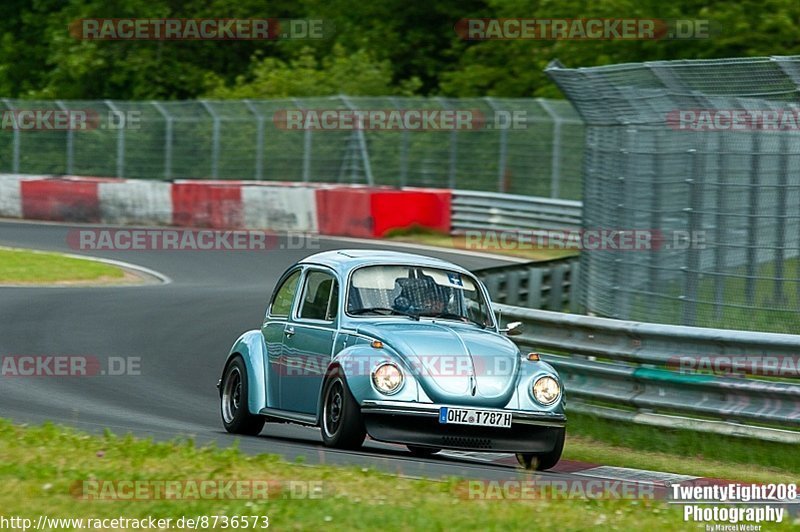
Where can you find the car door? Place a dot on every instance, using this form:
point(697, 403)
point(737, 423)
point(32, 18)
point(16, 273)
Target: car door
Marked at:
point(308, 345)
point(274, 332)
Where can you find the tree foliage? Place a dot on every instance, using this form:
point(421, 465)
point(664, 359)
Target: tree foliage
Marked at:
point(384, 47)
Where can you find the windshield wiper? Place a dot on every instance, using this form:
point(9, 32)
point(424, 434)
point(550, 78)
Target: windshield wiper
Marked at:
point(459, 317)
point(384, 311)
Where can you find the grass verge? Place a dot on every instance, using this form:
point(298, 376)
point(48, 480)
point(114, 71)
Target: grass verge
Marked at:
point(429, 237)
point(597, 440)
point(18, 266)
point(44, 470)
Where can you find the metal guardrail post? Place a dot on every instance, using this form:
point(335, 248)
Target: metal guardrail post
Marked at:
point(555, 156)
point(259, 165)
point(70, 142)
point(16, 142)
point(167, 138)
point(120, 138)
point(574, 287)
point(215, 140)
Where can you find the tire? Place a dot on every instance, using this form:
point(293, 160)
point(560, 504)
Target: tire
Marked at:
point(543, 461)
point(341, 422)
point(422, 452)
point(233, 401)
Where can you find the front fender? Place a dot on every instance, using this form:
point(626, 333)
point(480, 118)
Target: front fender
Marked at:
point(253, 350)
point(357, 363)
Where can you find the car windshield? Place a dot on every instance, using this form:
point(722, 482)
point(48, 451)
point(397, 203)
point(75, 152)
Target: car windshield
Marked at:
point(417, 291)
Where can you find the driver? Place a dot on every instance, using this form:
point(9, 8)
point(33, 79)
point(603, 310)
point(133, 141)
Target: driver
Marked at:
point(423, 296)
point(434, 299)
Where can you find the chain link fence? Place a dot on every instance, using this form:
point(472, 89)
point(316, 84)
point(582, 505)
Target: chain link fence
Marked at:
point(518, 146)
point(708, 150)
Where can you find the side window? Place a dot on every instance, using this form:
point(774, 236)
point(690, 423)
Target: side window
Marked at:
point(320, 295)
point(284, 295)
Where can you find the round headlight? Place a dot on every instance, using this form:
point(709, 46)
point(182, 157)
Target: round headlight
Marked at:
point(387, 378)
point(546, 390)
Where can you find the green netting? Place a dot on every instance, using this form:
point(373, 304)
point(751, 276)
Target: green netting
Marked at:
point(245, 139)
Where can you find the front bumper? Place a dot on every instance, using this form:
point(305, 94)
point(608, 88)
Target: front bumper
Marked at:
point(418, 424)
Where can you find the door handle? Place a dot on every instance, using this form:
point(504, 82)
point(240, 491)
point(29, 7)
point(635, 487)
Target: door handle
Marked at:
point(289, 331)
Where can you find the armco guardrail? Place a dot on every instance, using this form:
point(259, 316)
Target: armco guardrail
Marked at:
point(626, 370)
point(538, 285)
point(472, 210)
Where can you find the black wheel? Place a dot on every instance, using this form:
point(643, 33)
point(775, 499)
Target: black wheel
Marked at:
point(342, 425)
point(233, 401)
point(422, 452)
point(542, 461)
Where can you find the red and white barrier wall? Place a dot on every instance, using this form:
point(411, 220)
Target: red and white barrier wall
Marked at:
point(316, 208)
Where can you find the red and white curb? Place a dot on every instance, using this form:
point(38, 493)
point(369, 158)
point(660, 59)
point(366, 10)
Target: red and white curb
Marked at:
point(583, 469)
point(335, 210)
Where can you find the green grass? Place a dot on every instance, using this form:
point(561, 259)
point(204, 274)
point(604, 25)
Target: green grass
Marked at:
point(593, 439)
point(43, 470)
point(19, 266)
point(770, 308)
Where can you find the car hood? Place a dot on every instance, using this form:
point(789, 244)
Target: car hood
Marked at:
point(454, 363)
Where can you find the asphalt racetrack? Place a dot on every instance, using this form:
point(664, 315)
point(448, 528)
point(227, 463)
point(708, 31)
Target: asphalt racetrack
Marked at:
point(182, 332)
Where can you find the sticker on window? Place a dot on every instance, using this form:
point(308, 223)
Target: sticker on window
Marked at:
point(454, 279)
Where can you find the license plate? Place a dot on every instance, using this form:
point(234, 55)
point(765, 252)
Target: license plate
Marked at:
point(467, 416)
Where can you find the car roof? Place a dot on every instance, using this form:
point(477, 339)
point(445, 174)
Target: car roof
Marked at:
point(344, 260)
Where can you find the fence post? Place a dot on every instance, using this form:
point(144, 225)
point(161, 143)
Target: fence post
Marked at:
point(502, 150)
point(70, 142)
point(752, 220)
point(780, 228)
point(214, 138)
point(693, 255)
point(167, 138)
point(451, 177)
point(555, 155)
point(362, 142)
point(307, 145)
point(15, 147)
point(120, 139)
point(259, 139)
point(403, 148)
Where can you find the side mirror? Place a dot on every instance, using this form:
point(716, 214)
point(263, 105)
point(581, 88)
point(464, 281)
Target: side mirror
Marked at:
point(513, 329)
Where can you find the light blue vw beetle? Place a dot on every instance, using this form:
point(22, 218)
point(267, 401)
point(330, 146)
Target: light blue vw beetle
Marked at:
point(401, 347)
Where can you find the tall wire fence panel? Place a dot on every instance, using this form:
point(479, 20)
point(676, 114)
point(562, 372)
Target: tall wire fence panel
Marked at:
point(707, 154)
point(518, 146)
